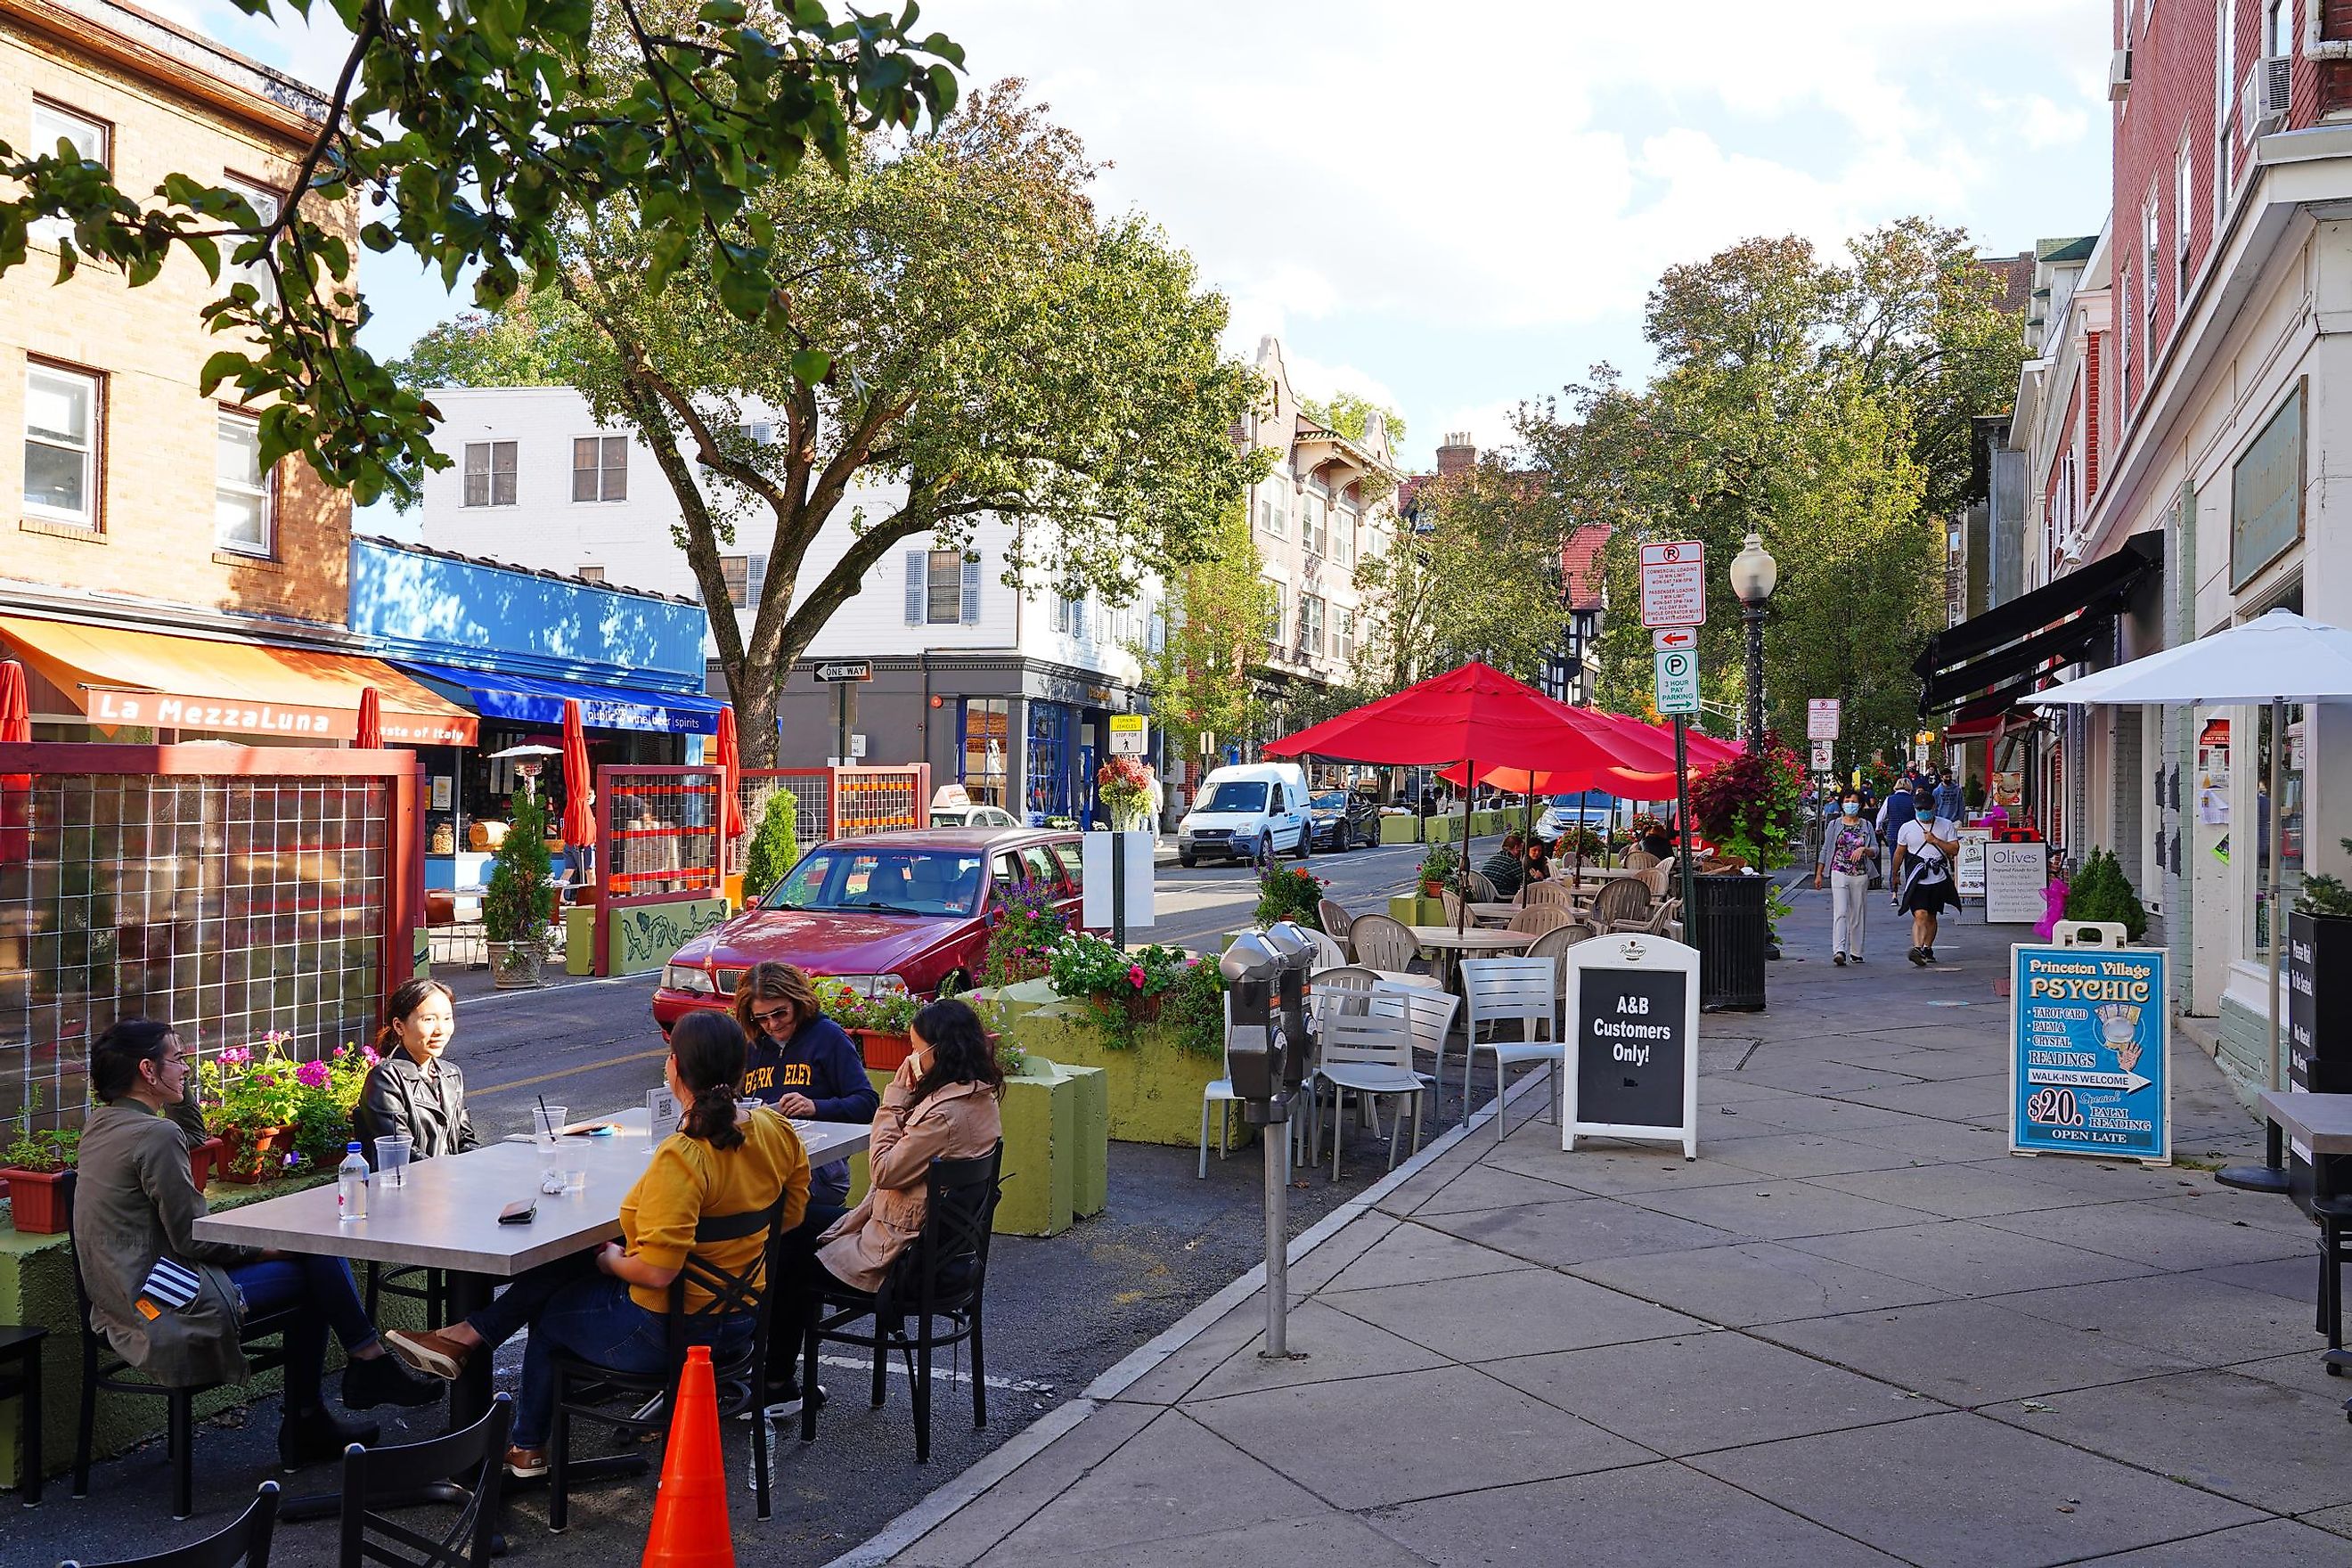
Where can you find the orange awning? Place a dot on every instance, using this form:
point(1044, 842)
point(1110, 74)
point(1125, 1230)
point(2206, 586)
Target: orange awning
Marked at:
point(121, 676)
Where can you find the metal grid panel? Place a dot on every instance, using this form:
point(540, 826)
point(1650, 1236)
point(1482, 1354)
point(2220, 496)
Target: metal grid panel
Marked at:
point(811, 798)
point(235, 907)
point(877, 800)
point(664, 831)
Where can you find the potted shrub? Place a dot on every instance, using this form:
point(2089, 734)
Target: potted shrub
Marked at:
point(1289, 894)
point(35, 1165)
point(1439, 867)
point(878, 1023)
point(2100, 891)
point(517, 903)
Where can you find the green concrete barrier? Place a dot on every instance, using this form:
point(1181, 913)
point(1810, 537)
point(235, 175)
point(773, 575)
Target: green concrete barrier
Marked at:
point(1056, 1148)
point(580, 939)
point(1398, 830)
point(1416, 910)
point(1152, 1091)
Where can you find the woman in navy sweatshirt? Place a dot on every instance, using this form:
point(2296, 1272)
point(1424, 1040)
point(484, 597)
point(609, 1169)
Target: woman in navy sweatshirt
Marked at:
point(804, 1064)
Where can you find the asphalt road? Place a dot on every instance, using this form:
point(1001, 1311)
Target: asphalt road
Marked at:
point(1061, 1310)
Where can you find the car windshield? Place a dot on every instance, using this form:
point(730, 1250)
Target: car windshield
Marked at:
point(1237, 794)
point(1331, 800)
point(897, 881)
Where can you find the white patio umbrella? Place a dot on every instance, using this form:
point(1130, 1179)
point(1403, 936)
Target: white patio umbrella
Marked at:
point(2275, 658)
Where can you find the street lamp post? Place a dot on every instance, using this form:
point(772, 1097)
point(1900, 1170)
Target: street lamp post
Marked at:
point(1754, 575)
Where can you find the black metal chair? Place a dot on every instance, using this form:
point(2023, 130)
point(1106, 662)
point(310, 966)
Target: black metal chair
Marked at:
point(943, 1275)
point(586, 1390)
point(20, 1348)
point(101, 1368)
point(411, 1474)
point(410, 1282)
point(244, 1544)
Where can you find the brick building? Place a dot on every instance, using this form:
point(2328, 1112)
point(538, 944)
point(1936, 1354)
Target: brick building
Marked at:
point(147, 536)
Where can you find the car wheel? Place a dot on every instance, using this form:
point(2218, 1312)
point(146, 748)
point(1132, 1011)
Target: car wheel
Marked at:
point(1265, 850)
point(1187, 860)
point(1305, 842)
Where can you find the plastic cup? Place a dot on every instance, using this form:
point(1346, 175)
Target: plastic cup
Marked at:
point(546, 1124)
point(575, 1181)
point(391, 1160)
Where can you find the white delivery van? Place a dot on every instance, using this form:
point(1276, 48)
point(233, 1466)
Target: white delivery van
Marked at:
point(1247, 810)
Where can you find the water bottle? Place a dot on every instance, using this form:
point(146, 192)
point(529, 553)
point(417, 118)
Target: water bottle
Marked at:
point(351, 1185)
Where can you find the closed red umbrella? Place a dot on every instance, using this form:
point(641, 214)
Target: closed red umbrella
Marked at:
point(579, 815)
point(730, 763)
point(370, 735)
point(16, 707)
point(15, 789)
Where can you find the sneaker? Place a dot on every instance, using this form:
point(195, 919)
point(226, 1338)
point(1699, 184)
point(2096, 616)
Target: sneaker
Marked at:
point(1855, 956)
point(429, 1350)
point(1927, 956)
point(526, 1464)
point(1839, 960)
point(1919, 957)
point(383, 1380)
point(313, 1436)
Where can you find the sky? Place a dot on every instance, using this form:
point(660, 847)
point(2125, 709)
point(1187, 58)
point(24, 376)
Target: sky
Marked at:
point(1452, 208)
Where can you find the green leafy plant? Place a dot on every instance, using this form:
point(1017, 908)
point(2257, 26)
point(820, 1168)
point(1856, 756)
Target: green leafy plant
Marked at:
point(1777, 908)
point(43, 1150)
point(1028, 929)
point(1972, 794)
point(2100, 891)
point(1128, 989)
point(1752, 804)
point(1123, 785)
point(1440, 864)
point(252, 1091)
point(2323, 895)
point(1289, 894)
point(775, 849)
point(884, 1013)
point(518, 903)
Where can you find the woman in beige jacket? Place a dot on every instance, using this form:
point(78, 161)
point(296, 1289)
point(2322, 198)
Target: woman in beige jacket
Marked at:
point(942, 1106)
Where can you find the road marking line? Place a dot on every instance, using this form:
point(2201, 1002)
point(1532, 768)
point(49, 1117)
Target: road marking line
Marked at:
point(567, 1072)
point(1006, 1384)
point(533, 994)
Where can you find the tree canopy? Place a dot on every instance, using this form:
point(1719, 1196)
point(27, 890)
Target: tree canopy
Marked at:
point(1217, 611)
point(990, 347)
point(1351, 415)
point(479, 134)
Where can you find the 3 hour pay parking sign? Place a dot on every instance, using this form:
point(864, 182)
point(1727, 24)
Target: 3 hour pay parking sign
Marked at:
point(2090, 1066)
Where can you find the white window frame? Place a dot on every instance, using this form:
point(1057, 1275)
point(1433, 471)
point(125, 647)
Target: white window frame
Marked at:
point(738, 584)
point(2184, 204)
point(2225, 16)
point(2278, 28)
point(952, 560)
point(2151, 269)
point(45, 140)
point(1279, 618)
point(2123, 358)
point(92, 447)
point(266, 204)
point(605, 470)
point(262, 494)
point(490, 471)
point(1310, 625)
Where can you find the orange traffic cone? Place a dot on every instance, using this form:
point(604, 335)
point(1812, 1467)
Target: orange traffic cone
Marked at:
point(690, 1510)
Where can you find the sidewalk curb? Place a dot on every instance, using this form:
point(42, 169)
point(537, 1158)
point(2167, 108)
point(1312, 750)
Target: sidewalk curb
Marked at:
point(939, 1506)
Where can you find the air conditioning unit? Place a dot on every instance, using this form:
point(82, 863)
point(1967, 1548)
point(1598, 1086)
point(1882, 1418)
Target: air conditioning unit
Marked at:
point(2262, 100)
point(2119, 75)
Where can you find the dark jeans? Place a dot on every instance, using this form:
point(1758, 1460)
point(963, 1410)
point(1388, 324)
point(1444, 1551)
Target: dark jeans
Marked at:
point(322, 1284)
point(569, 1306)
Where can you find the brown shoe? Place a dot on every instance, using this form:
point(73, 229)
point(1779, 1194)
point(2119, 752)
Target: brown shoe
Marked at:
point(429, 1350)
point(526, 1464)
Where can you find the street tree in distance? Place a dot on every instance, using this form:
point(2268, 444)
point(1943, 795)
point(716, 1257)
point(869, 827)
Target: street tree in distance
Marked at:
point(480, 132)
point(1350, 414)
point(1218, 610)
point(992, 347)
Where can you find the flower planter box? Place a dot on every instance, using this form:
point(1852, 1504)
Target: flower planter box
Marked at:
point(1056, 1148)
point(202, 1158)
point(266, 1163)
point(1152, 1091)
point(1417, 911)
point(38, 1200)
point(882, 1053)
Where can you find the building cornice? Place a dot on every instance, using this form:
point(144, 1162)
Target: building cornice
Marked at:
point(170, 55)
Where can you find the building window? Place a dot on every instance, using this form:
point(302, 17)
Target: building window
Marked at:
point(1310, 626)
point(241, 498)
point(1343, 537)
point(1274, 616)
point(590, 574)
point(266, 204)
point(987, 725)
point(64, 423)
point(736, 572)
point(1070, 610)
point(2150, 270)
point(1345, 642)
point(2182, 196)
point(2124, 357)
point(91, 140)
point(1310, 524)
point(1156, 621)
point(943, 597)
point(489, 473)
point(1270, 520)
point(2224, 78)
point(2278, 28)
point(600, 467)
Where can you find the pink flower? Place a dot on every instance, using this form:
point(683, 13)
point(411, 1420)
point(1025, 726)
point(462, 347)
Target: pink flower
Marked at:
point(236, 1056)
point(367, 1054)
point(311, 1074)
point(1134, 976)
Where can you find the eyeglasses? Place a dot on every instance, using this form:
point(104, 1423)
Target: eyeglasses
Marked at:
point(779, 1015)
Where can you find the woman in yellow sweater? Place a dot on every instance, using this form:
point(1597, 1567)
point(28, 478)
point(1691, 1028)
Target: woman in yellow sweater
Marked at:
point(612, 1306)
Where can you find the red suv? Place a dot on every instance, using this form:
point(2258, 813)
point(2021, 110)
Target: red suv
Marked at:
point(892, 911)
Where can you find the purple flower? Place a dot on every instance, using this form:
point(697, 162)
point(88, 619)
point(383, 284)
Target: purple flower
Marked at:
point(311, 1074)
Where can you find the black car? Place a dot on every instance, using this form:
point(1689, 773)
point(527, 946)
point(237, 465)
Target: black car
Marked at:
point(1344, 819)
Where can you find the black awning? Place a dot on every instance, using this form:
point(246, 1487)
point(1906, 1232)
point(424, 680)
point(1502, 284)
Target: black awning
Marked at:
point(2065, 642)
point(2000, 702)
point(2101, 588)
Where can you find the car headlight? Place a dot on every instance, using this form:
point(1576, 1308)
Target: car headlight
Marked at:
point(686, 977)
point(871, 984)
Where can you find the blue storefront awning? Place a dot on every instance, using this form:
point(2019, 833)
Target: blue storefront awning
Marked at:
point(538, 700)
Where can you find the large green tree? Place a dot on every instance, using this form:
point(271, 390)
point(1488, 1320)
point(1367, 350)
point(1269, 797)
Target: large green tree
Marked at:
point(992, 347)
point(478, 134)
point(1214, 626)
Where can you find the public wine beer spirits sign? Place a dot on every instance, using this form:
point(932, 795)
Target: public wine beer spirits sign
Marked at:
point(1632, 1042)
point(2090, 1067)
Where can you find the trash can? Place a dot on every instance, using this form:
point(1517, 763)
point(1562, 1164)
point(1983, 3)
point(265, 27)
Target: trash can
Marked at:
point(1731, 933)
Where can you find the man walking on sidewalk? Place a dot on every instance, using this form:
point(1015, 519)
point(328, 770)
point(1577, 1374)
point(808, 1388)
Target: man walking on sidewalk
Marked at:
point(1924, 855)
point(1849, 853)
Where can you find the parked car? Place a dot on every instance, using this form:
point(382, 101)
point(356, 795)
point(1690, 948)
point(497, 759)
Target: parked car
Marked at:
point(1247, 811)
point(1566, 811)
point(1344, 819)
point(973, 816)
point(888, 912)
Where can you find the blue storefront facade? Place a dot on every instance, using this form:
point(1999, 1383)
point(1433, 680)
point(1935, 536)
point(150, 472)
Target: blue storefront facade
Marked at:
point(513, 645)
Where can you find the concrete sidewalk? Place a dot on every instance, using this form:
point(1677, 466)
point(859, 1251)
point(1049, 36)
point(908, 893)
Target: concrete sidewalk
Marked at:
point(1855, 1330)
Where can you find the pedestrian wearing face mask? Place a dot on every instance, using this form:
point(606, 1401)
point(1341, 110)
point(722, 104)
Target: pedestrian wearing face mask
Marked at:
point(1926, 850)
point(1849, 855)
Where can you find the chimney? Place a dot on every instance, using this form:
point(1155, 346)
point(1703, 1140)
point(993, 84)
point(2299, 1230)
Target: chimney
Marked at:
point(1457, 452)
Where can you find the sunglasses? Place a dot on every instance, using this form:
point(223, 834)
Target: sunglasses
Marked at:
point(779, 1015)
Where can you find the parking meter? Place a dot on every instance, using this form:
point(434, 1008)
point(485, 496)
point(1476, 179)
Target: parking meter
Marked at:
point(1265, 1052)
point(1295, 955)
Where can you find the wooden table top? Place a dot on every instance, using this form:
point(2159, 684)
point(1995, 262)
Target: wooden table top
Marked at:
point(446, 1215)
point(2320, 1122)
point(1472, 939)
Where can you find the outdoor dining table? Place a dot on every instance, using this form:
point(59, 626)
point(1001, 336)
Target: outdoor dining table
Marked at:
point(445, 1214)
point(1445, 943)
point(1503, 911)
point(2321, 1124)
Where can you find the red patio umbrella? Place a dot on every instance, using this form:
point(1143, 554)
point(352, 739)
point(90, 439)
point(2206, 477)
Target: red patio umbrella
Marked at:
point(730, 765)
point(371, 733)
point(578, 815)
point(15, 789)
point(1706, 750)
point(16, 707)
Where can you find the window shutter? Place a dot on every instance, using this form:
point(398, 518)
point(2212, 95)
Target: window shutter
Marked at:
point(971, 610)
point(755, 580)
point(1078, 617)
point(917, 566)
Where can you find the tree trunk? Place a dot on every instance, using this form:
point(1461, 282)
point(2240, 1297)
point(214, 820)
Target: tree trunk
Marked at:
point(755, 716)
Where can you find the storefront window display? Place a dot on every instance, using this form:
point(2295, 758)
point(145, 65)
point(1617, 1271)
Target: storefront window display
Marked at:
point(2256, 900)
point(987, 730)
point(1049, 759)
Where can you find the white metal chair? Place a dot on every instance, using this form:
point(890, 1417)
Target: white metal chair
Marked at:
point(1370, 1054)
point(1329, 954)
point(1499, 989)
point(1219, 1093)
point(1383, 943)
point(1429, 1013)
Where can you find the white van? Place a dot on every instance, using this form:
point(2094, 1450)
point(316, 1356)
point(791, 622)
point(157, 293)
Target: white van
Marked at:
point(1241, 811)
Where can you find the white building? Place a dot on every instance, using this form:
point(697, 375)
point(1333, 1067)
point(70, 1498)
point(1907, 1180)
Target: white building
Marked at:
point(1008, 692)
